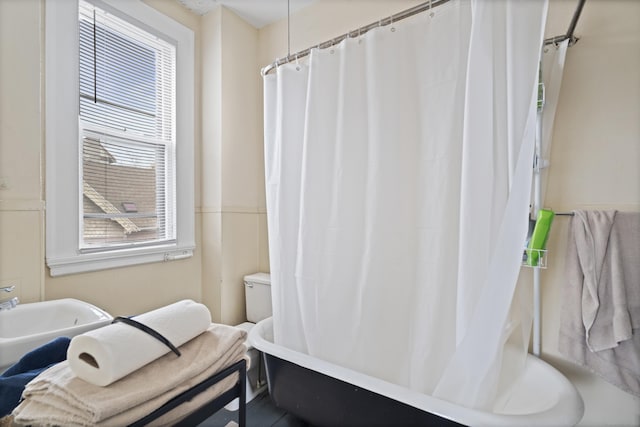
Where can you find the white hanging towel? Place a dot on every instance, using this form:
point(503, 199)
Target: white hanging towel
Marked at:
point(105, 355)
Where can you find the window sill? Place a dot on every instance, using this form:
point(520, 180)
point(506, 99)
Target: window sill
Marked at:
point(83, 263)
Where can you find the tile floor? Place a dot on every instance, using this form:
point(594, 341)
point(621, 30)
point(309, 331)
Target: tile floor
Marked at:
point(261, 412)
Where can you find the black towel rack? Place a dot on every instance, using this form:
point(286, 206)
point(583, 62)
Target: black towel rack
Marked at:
point(201, 414)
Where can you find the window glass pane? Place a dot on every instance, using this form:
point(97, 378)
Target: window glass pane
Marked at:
point(123, 192)
point(126, 75)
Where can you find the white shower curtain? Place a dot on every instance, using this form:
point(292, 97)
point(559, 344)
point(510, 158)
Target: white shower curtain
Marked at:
point(398, 169)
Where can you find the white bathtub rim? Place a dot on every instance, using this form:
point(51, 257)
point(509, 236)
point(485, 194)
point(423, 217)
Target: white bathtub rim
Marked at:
point(567, 411)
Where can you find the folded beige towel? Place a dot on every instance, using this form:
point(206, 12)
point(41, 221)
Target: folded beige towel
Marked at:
point(58, 397)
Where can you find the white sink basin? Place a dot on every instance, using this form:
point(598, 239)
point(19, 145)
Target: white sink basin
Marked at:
point(28, 326)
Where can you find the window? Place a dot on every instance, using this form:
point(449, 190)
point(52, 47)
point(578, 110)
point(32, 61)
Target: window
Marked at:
point(127, 104)
point(120, 157)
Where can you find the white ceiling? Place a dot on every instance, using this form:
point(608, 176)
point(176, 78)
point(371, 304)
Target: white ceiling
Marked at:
point(256, 12)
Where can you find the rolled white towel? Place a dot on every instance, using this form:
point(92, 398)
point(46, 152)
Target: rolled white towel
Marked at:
point(105, 355)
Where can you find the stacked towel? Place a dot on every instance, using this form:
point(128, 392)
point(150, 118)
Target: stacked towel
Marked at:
point(58, 397)
point(107, 354)
point(14, 379)
point(600, 324)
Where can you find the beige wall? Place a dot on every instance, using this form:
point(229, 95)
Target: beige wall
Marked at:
point(21, 206)
point(232, 212)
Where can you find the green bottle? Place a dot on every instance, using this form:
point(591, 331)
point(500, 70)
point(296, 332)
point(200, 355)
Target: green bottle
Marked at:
point(538, 240)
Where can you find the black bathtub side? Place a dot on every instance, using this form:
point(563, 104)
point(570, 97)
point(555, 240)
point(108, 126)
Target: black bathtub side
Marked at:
point(321, 400)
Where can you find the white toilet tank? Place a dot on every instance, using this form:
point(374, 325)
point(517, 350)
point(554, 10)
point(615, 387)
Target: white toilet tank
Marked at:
point(257, 290)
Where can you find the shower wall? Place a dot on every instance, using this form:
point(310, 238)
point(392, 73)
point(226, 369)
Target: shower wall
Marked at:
point(595, 159)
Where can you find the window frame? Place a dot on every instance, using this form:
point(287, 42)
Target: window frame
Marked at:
point(63, 149)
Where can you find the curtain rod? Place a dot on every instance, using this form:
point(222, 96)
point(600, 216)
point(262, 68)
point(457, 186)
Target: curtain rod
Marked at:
point(572, 27)
point(355, 33)
point(405, 14)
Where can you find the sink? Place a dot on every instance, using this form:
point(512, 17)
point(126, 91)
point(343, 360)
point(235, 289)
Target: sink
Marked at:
point(28, 326)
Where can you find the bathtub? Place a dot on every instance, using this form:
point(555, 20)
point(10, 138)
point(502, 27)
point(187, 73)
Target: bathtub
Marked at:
point(325, 394)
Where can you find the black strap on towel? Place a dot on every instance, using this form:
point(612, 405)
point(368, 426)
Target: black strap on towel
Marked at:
point(144, 328)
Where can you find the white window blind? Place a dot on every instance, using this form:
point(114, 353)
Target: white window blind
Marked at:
point(127, 120)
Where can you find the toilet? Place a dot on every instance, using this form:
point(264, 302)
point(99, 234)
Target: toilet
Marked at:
point(257, 289)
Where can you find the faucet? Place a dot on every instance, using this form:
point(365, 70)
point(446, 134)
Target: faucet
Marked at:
point(9, 303)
